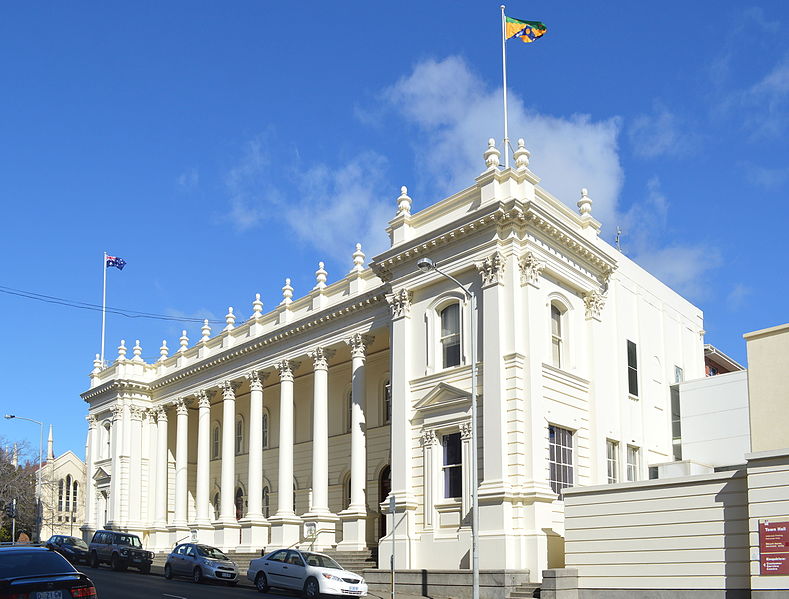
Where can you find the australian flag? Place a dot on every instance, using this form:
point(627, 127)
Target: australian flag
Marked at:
point(118, 263)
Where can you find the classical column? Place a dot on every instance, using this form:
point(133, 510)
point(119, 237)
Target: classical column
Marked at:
point(285, 524)
point(124, 487)
point(135, 468)
point(91, 450)
point(354, 529)
point(181, 463)
point(465, 446)
point(203, 456)
point(161, 468)
point(255, 482)
point(429, 441)
point(227, 508)
point(116, 438)
point(319, 508)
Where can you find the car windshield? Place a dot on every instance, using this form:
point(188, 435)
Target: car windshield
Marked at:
point(130, 540)
point(321, 561)
point(208, 551)
point(75, 542)
point(16, 564)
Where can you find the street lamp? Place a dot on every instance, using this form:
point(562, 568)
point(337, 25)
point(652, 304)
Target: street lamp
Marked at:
point(38, 473)
point(426, 265)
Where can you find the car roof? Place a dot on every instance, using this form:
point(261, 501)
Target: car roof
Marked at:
point(23, 548)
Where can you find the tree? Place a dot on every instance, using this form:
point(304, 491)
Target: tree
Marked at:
point(17, 482)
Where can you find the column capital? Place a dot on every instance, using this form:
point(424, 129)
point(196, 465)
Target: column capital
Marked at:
point(117, 411)
point(161, 414)
point(359, 343)
point(204, 398)
point(320, 357)
point(400, 303)
point(428, 438)
point(531, 268)
point(492, 269)
point(465, 431)
point(256, 379)
point(181, 406)
point(92, 421)
point(229, 389)
point(286, 368)
point(594, 301)
point(137, 413)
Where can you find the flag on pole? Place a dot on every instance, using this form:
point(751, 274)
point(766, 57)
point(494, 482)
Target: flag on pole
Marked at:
point(118, 263)
point(527, 31)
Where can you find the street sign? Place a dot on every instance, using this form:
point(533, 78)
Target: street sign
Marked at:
point(774, 548)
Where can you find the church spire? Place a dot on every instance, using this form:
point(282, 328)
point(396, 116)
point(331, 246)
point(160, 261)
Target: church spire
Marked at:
point(50, 450)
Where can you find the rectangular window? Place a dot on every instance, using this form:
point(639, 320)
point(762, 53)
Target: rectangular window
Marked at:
point(556, 337)
point(612, 450)
point(632, 369)
point(388, 402)
point(560, 445)
point(453, 468)
point(679, 375)
point(450, 335)
point(239, 436)
point(676, 422)
point(632, 463)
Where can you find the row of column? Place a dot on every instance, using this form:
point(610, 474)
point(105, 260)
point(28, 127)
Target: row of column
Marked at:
point(126, 434)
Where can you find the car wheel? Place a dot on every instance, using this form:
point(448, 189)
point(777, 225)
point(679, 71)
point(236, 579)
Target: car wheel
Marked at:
point(115, 563)
point(94, 560)
point(197, 575)
point(311, 589)
point(168, 571)
point(261, 582)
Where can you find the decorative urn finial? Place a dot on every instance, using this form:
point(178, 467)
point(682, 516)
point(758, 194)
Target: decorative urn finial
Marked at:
point(163, 351)
point(257, 307)
point(492, 155)
point(521, 155)
point(404, 202)
point(287, 293)
point(184, 341)
point(585, 203)
point(230, 319)
point(122, 350)
point(358, 259)
point(320, 277)
point(206, 331)
point(137, 351)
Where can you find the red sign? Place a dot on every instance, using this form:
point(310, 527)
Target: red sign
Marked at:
point(774, 548)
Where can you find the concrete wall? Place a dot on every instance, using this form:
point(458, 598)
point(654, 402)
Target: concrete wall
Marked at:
point(714, 419)
point(768, 363)
point(683, 534)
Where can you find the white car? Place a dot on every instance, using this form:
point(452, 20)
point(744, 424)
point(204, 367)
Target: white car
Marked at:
point(314, 574)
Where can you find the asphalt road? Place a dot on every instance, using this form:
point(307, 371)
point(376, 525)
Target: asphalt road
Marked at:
point(134, 585)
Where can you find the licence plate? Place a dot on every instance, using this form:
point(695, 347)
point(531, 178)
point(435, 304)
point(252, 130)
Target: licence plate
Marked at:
point(354, 588)
point(49, 595)
point(225, 575)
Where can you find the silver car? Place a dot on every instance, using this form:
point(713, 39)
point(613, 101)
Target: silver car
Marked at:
point(314, 574)
point(200, 562)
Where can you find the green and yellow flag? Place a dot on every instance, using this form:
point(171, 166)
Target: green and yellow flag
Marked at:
point(528, 31)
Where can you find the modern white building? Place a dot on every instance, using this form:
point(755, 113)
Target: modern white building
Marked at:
point(321, 409)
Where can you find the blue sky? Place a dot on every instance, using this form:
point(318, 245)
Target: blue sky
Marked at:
point(220, 148)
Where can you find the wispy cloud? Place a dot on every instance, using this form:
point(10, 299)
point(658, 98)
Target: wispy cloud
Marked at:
point(188, 180)
point(768, 101)
point(457, 112)
point(657, 133)
point(769, 178)
point(756, 15)
point(246, 185)
point(737, 296)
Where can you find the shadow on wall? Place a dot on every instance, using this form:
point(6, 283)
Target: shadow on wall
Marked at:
point(736, 544)
point(555, 550)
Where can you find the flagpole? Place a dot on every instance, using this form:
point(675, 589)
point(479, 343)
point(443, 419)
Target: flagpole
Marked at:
point(103, 306)
point(504, 77)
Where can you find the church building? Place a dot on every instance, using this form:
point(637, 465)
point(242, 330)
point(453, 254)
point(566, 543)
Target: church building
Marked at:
point(300, 425)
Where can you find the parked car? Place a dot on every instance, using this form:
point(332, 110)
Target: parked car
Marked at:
point(28, 571)
point(120, 550)
point(200, 562)
point(73, 549)
point(314, 574)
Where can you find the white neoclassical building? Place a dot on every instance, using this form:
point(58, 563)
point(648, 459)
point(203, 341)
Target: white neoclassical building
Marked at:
point(307, 418)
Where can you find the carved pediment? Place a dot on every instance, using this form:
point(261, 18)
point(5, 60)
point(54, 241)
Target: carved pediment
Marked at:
point(100, 475)
point(444, 397)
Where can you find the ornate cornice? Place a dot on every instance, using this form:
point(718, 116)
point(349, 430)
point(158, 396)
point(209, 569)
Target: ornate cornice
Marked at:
point(400, 303)
point(117, 386)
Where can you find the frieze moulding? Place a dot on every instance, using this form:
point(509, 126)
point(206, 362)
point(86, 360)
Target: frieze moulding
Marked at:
point(399, 303)
point(428, 438)
point(594, 301)
point(492, 269)
point(320, 357)
point(531, 268)
point(359, 343)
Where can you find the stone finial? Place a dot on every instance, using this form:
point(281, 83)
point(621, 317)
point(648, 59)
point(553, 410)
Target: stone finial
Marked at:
point(403, 202)
point(206, 331)
point(163, 351)
point(320, 277)
point(287, 293)
point(492, 155)
point(521, 155)
point(184, 341)
point(585, 203)
point(257, 307)
point(358, 259)
point(97, 364)
point(137, 350)
point(122, 350)
point(230, 319)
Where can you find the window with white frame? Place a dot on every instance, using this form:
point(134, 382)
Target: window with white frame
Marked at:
point(60, 495)
point(74, 496)
point(632, 463)
point(558, 348)
point(449, 338)
point(453, 466)
point(107, 440)
point(239, 435)
point(679, 374)
point(560, 461)
point(632, 369)
point(215, 441)
point(386, 407)
point(264, 430)
point(612, 462)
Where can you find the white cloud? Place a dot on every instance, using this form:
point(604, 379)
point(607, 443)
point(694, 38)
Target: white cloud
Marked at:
point(768, 100)
point(456, 112)
point(737, 296)
point(769, 178)
point(656, 134)
point(756, 15)
point(245, 183)
point(188, 180)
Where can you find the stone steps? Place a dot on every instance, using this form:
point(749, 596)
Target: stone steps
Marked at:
point(525, 591)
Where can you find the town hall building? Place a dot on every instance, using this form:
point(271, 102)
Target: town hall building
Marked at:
point(300, 425)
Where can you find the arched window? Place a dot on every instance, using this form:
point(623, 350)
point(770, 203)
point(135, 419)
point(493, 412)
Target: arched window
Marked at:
point(239, 503)
point(386, 408)
point(107, 440)
point(74, 497)
point(215, 441)
point(266, 502)
point(60, 495)
point(264, 429)
point(450, 335)
point(239, 435)
point(68, 493)
point(558, 342)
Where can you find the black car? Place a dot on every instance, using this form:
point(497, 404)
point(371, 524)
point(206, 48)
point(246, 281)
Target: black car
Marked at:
point(120, 550)
point(28, 571)
point(73, 549)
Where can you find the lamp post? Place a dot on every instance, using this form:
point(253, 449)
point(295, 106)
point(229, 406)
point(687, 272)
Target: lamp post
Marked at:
point(426, 265)
point(38, 473)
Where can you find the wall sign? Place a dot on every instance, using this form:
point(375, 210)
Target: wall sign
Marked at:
point(774, 548)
